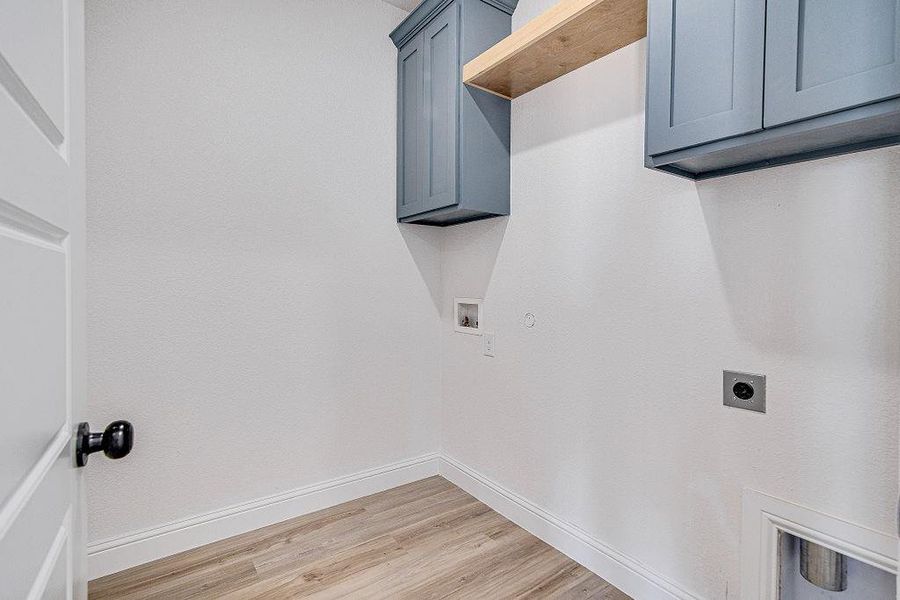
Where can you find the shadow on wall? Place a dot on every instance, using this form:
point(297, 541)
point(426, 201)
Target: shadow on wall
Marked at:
point(424, 245)
point(808, 261)
point(582, 100)
point(470, 255)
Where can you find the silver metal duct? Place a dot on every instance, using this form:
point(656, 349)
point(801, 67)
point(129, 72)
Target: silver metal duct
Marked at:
point(823, 567)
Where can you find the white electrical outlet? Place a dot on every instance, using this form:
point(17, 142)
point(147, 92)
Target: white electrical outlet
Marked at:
point(488, 343)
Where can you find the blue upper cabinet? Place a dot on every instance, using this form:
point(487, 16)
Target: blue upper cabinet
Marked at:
point(452, 141)
point(706, 73)
point(735, 85)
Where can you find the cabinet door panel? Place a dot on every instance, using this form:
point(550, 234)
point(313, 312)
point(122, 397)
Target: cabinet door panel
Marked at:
point(829, 55)
point(442, 83)
point(410, 90)
point(705, 71)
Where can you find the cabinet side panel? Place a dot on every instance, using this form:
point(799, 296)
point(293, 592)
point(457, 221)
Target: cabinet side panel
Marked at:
point(484, 117)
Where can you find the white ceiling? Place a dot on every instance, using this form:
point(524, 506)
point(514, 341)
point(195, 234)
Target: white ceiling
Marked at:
point(404, 4)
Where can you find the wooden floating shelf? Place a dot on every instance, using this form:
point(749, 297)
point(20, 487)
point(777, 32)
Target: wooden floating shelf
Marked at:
point(566, 37)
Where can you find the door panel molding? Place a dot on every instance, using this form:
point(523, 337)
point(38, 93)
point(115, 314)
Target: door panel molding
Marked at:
point(34, 62)
point(32, 227)
point(61, 543)
point(13, 506)
point(17, 89)
point(28, 544)
point(34, 374)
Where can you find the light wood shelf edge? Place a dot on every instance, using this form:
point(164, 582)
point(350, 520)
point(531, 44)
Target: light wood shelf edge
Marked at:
point(567, 36)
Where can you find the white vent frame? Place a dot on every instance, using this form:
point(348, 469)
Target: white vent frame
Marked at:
point(764, 516)
point(479, 328)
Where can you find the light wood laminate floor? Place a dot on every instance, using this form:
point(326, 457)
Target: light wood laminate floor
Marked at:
point(428, 539)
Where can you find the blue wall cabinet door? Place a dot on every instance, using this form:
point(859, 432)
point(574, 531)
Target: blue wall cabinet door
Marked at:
point(705, 71)
point(738, 85)
point(828, 55)
point(442, 73)
point(452, 142)
point(410, 116)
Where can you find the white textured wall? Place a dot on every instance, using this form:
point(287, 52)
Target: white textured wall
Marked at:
point(254, 308)
point(645, 286)
point(258, 315)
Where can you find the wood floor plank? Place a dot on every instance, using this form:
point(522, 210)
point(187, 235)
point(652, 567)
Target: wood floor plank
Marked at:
point(424, 540)
point(426, 560)
point(333, 570)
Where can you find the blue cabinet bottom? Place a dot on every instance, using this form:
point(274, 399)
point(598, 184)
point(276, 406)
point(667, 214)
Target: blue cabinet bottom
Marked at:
point(451, 215)
point(871, 126)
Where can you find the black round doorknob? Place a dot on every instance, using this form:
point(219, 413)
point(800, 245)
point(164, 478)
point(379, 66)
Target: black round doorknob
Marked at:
point(115, 441)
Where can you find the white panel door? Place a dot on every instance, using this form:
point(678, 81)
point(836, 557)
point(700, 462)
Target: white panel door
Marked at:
point(41, 297)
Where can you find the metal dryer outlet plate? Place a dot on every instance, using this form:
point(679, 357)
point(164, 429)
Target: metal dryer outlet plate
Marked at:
point(744, 390)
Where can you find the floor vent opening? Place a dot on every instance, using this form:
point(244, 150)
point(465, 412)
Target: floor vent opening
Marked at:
point(792, 552)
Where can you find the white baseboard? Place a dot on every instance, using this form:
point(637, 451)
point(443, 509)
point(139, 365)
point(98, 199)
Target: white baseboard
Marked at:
point(113, 555)
point(633, 578)
point(622, 571)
